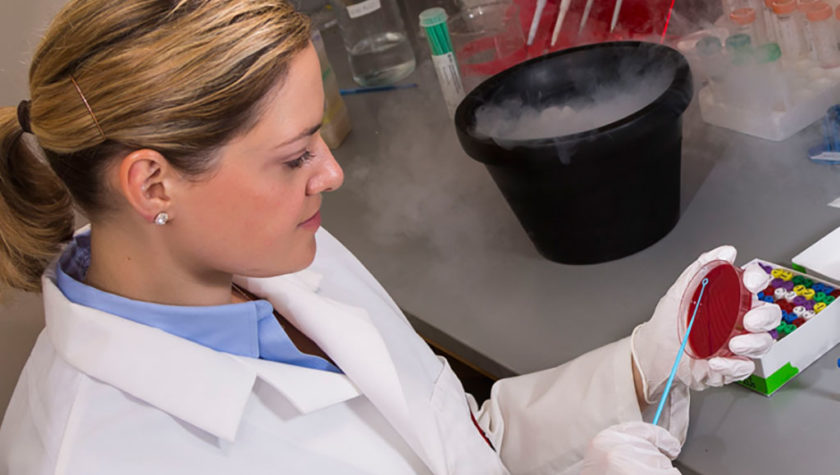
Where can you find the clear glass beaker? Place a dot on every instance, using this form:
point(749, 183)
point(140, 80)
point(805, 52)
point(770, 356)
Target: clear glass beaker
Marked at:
point(487, 40)
point(376, 41)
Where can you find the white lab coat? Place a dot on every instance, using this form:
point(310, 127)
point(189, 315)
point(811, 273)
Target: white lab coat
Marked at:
point(101, 394)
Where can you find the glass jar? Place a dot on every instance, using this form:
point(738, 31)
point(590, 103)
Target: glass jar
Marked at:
point(376, 41)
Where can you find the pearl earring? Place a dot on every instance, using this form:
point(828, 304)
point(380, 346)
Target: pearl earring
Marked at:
point(161, 218)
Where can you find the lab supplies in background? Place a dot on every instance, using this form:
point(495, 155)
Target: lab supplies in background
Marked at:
point(433, 22)
point(336, 124)
point(375, 39)
point(770, 90)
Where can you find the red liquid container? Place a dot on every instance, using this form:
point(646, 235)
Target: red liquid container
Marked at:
point(720, 314)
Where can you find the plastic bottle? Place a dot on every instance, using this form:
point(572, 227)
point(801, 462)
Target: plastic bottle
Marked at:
point(739, 47)
point(375, 39)
point(790, 38)
point(336, 123)
point(767, 57)
point(433, 22)
point(728, 6)
point(803, 7)
point(820, 17)
point(762, 33)
point(770, 21)
point(743, 20)
point(741, 73)
point(712, 65)
point(837, 21)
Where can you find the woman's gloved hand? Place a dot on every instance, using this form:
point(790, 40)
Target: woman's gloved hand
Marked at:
point(655, 343)
point(632, 448)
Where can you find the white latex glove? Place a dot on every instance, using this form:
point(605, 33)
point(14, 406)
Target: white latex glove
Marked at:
point(655, 343)
point(632, 448)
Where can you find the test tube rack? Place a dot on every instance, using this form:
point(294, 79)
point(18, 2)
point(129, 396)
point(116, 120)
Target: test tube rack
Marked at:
point(812, 90)
point(799, 348)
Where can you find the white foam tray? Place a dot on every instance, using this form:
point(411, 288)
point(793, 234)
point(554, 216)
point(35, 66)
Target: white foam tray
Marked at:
point(812, 89)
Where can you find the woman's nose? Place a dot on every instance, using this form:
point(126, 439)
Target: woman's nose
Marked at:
point(329, 175)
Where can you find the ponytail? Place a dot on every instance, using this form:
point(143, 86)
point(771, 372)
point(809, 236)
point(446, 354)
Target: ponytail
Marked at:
point(36, 210)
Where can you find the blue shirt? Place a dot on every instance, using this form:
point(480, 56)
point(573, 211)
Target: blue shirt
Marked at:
point(245, 329)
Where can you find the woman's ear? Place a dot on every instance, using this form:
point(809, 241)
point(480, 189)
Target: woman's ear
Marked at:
point(147, 181)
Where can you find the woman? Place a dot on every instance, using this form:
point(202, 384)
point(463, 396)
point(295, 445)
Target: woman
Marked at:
point(205, 324)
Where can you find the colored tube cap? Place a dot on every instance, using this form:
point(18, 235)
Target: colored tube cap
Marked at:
point(784, 7)
point(709, 45)
point(738, 42)
point(743, 16)
point(805, 5)
point(432, 16)
point(819, 11)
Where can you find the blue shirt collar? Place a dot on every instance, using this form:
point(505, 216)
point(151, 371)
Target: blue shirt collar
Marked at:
point(246, 329)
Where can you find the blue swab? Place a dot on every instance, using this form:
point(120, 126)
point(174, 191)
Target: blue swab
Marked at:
point(679, 355)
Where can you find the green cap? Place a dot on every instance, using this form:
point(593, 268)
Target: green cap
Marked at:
point(768, 53)
point(738, 42)
point(708, 46)
point(432, 16)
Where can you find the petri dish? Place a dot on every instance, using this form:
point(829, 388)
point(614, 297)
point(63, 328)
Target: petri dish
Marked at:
point(720, 314)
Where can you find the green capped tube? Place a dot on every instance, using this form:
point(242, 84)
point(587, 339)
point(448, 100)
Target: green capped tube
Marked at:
point(433, 21)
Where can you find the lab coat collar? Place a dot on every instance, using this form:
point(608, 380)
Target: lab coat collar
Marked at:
point(349, 336)
point(198, 385)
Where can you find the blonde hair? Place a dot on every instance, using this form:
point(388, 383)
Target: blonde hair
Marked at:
point(178, 76)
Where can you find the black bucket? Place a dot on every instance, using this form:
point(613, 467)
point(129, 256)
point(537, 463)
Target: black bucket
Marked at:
point(600, 194)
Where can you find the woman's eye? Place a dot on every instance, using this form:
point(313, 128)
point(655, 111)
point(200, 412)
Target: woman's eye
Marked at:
point(298, 162)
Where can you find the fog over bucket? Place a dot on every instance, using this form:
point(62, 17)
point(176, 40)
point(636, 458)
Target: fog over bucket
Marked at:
point(598, 188)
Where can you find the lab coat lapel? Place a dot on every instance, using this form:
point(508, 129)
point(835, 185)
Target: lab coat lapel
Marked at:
point(351, 339)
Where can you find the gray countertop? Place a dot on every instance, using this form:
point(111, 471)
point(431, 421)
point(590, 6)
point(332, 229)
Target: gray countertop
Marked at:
point(431, 225)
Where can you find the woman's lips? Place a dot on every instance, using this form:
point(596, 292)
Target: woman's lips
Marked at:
point(312, 223)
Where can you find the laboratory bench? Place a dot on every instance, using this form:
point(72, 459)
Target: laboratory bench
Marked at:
point(430, 224)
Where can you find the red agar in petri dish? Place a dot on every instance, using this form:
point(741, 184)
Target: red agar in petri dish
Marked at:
point(721, 312)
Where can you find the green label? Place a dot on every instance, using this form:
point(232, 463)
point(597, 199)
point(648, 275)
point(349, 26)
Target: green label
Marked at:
point(773, 382)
